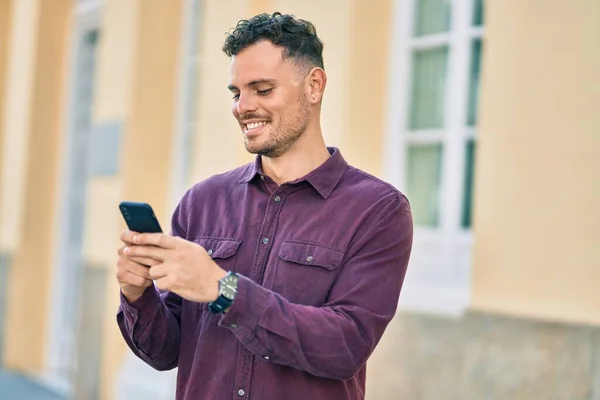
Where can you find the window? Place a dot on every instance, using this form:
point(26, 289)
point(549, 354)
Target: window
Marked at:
point(432, 144)
point(442, 111)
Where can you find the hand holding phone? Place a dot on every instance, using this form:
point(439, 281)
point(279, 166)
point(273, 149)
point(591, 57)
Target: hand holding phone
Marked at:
point(177, 265)
point(132, 273)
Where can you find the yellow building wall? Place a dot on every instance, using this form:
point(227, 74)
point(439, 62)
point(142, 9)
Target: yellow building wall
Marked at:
point(335, 120)
point(368, 82)
point(39, 50)
point(218, 144)
point(5, 13)
point(112, 103)
point(21, 58)
point(116, 57)
point(537, 248)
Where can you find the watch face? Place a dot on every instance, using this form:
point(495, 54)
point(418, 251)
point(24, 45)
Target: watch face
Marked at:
point(229, 286)
point(228, 291)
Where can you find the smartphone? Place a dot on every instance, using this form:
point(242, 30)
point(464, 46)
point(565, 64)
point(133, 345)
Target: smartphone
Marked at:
point(139, 217)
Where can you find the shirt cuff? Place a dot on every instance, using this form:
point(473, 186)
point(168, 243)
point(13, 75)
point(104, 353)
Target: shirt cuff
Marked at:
point(250, 303)
point(143, 309)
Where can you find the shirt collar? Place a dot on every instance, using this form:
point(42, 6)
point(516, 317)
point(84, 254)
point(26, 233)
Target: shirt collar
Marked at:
point(323, 179)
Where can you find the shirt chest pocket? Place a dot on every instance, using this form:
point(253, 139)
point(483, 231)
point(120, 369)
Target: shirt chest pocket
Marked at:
point(305, 272)
point(223, 252)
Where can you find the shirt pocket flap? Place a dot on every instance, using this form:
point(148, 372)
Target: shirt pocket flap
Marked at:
point(219, 248)
point(311, 254)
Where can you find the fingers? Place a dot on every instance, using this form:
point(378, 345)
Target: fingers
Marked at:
point(128, 265)
point(158, 272)
point(149, 239)
point(144, 250)
point(127, 278)
point(131, 273)
point(127, 237)
point(145, 261)
point(164, 284)
point(153, 252)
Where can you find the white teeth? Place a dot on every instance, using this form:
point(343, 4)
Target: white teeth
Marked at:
point(255, 125)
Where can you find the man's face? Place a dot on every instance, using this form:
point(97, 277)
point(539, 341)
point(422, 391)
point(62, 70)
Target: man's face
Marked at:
point(269, 101)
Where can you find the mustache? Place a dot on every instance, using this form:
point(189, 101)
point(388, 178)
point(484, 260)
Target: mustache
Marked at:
point(248, 117)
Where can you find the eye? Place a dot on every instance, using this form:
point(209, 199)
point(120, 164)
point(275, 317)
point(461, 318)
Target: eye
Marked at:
point(236, 96)
point(264, 92)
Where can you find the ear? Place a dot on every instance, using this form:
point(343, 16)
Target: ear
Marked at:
point(316, 81)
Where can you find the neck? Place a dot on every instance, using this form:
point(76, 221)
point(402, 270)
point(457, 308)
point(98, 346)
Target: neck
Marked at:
point(298, 161)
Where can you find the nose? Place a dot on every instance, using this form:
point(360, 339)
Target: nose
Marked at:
point(245, 104)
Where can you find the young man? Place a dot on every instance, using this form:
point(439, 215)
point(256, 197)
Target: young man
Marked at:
point(281, 276)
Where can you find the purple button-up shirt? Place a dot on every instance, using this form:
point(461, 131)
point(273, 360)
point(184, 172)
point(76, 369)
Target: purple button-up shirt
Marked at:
point(321, 263)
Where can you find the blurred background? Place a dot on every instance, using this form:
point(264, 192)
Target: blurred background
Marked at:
point(485, 113)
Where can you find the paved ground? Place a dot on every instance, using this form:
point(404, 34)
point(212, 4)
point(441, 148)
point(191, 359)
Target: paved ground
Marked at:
point(18, 387)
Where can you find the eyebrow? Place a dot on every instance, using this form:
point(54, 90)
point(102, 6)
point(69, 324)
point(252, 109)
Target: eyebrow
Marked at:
point(253, 83)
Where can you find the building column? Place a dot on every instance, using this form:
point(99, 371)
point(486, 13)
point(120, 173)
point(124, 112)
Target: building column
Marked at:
point(220, 145)
point(5, 28)
point(32, 127)
point(5, 24)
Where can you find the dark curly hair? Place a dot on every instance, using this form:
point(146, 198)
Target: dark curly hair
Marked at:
point(297, 37)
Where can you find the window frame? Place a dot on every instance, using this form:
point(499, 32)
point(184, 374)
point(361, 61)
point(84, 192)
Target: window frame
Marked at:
point(438, 279)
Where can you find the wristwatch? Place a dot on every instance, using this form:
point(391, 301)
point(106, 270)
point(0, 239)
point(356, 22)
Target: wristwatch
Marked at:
point(227, 291)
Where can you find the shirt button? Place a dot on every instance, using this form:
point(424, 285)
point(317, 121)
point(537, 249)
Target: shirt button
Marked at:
point(309, 258)
point(277, 199)
point(262, 178)
point(233, 325)
point(210, 252)
point(265, 240)
point(267, 358)
point(241, 392)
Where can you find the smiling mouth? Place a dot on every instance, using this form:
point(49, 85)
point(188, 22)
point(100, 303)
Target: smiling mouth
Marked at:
point(248, 128)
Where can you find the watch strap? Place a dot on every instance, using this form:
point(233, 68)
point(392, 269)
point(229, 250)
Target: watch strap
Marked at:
point(222, 303)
